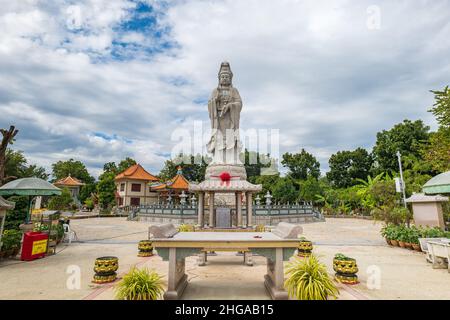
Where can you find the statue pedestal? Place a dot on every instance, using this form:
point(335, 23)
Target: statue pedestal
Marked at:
point(235, 170)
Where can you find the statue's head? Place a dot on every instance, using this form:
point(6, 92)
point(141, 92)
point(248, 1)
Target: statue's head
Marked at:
point(225, 74)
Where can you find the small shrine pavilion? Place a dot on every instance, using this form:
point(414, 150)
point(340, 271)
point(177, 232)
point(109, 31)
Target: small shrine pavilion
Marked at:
point(73, 184)
point(171, 190)
point(132, 187)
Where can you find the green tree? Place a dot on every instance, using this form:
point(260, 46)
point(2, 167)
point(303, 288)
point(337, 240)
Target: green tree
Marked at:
point(7, 139)
point(347, 166)
point(193, 167)
point(86, 191)
point(406, 137)
point(76, 169)
point(16, 166)
point(106, 189)
point(267, 182)
point(437, 152)
point(62, 202)
point(123, 165)
point(301, 165)
point(310, 188)
point(441, 107)
point(284, 190)
point(111, 167)
point(254, 162)
point(17, 215)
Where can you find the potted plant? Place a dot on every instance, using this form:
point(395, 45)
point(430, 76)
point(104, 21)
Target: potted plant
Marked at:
point(387, 232)
point(308, 279)
point(346, 269)
point(408, 238)
point(11, 242)
point(394, 234)
point(401, 237)
point(140, 285)
point(414, 239)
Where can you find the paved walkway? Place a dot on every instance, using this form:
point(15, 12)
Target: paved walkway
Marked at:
point(403, 274)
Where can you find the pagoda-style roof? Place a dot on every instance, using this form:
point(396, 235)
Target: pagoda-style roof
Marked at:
point(69, 182)
point(136, 172)
point(179, 182)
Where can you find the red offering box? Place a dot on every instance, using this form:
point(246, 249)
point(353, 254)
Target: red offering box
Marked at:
point(34, 245)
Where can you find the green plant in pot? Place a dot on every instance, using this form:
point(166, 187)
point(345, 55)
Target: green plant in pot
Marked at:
point(414, 238)
point(402, 236)
point(308, 279)
point(140, 284)
point(346, 269)
point(11, 243)
point(388, 232)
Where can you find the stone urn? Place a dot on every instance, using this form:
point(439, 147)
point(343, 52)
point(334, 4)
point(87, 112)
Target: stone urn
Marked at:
point(305, 248)
point(145, 248)
point(105, 269)
point(346, 269)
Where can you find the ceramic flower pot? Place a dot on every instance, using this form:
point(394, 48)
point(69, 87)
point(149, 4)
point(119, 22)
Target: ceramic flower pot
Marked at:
point(394, 243)
point(105, 269)
point(346, 270)
point(402, 244)
point(416, 247)
point(408, 245)
point(388, 241)
point(145, 248)
point(305, 248)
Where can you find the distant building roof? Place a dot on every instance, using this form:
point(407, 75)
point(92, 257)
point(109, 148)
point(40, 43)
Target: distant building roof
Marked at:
point(136, 172)
point(69, 181)
point(179, 182)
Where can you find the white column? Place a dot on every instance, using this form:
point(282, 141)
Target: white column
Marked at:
point(211, 209)
point(249, 209)
point(201, 209)
point(239, 209)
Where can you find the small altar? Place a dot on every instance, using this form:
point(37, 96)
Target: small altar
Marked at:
point(173, 246)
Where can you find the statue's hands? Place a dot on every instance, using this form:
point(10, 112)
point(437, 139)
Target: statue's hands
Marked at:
point(225, 109)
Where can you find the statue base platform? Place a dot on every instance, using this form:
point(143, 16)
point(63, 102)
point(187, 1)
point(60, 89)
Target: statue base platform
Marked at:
point(235, 170)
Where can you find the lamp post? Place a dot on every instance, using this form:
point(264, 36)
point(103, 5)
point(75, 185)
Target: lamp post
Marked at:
point(402, 182)
point(268, 197)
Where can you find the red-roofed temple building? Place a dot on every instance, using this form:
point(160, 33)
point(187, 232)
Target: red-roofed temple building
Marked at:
point(133, 187)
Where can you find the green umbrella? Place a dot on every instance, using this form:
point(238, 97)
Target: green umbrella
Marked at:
point(440, 184)
point(30, 187)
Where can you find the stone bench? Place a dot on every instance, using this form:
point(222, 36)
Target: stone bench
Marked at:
point(161, 231)
point(286, 230)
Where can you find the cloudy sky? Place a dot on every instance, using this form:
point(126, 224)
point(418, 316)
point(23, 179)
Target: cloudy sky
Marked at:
point(99, 80)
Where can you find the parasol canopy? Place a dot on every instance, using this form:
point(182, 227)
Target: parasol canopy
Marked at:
point(29, 187)
point(440, 184)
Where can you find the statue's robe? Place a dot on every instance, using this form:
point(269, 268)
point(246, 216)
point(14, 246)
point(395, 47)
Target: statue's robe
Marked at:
point(220, 139)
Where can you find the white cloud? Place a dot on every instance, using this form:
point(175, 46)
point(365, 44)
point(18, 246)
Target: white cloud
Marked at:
point(309, 68)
